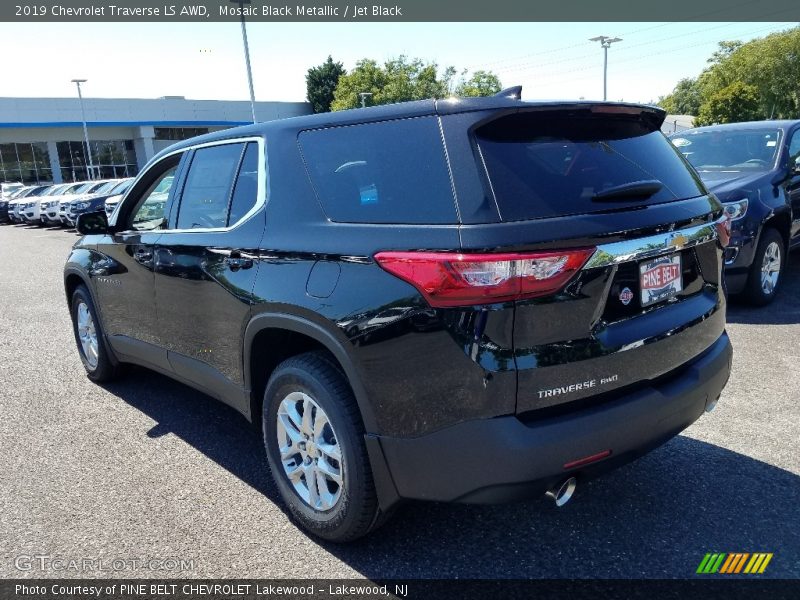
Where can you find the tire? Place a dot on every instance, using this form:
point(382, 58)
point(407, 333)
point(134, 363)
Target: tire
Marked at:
point(770, 255)
point(97, 361)
point(337, 512)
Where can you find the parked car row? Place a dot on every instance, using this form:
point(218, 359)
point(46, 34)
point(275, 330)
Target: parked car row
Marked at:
point(61, 204)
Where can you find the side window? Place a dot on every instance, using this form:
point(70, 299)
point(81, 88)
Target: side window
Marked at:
point(245, 192)
point(151, 211)
point(388, 172)
point(207, 191)
point(794, 148)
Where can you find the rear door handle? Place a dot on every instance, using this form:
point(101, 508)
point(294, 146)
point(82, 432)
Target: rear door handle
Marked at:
point(143, 255)
point(236, 261)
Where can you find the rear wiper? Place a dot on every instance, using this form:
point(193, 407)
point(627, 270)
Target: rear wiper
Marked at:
point(635, 190)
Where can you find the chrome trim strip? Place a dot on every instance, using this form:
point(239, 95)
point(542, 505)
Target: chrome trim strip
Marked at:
point(261, 194)
point(655, 245)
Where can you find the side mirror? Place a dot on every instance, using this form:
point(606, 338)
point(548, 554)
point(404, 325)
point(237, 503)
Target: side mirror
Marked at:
point(92, 223)
point(796, 166)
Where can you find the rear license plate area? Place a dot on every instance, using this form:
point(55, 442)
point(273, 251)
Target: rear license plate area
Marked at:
point(660, 279)
point(625, 296)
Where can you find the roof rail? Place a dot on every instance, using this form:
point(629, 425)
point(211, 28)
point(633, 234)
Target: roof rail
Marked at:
point(514, 92)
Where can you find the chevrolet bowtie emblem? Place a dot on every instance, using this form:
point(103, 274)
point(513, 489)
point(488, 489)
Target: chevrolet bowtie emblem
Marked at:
point(676, 240)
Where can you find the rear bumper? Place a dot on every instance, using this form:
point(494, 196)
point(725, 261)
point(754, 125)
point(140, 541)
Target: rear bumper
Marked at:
point(505, 459)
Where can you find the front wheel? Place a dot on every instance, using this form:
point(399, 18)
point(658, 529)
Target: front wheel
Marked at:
point(314, 440)
point(89, 338)
point(766, 270)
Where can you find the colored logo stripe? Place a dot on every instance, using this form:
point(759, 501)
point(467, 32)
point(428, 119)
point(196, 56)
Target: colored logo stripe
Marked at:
point(734, 562)
point(711, 563)
point(758, 563)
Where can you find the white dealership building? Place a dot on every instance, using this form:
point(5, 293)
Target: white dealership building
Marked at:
point(42, 141)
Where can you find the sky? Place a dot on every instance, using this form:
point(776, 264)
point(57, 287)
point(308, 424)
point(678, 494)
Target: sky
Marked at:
point(206, 60)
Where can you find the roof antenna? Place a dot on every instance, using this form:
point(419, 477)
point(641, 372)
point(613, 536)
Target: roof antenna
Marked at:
point(515, 93)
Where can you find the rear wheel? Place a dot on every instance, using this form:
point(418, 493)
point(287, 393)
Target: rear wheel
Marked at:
point(315, 446)
point(766, 270)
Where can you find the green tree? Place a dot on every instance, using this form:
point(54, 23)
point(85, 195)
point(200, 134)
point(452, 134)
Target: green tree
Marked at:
point(685, 99)
point(368, 77)
point(724, 51)
point(770, 64)
point(321, 81)
point(398, 80)
point(732, 104)
point(482, 83)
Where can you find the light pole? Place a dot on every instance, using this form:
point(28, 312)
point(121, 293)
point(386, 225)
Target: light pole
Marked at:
point(364, 96)
point(605, 42)
point(78, 83)
point(241, 4)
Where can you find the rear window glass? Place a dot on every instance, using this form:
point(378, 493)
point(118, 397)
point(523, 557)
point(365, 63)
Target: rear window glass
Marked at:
point(545, 165)
point(388, 172)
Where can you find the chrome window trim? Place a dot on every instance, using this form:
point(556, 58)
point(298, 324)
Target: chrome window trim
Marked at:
point(652, 246)
point(261, 193)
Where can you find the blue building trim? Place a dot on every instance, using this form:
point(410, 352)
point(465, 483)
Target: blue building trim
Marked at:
point(126, 124)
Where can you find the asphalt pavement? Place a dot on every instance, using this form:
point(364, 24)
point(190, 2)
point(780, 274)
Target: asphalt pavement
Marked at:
point(137, 476)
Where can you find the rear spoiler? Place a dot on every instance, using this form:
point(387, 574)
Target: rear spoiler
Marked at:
point(508, 101)
point(652, 114)
point(515, 93)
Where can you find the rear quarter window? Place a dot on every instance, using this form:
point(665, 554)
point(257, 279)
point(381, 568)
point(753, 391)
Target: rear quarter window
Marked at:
point(545, 164)
point(386, 172)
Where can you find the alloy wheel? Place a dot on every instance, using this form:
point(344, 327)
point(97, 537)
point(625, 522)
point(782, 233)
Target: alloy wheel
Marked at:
point(770, 268)
point(87, 335)
point(309, 451)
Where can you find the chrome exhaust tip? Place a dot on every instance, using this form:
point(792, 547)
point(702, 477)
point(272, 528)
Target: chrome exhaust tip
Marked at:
point(562, 492)
point(710, 406)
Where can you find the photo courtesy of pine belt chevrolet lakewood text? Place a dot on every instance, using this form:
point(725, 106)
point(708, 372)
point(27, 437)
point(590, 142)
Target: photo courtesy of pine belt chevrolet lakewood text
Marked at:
point(467, 300)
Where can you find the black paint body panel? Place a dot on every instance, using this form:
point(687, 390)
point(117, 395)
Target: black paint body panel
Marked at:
point(171, 301)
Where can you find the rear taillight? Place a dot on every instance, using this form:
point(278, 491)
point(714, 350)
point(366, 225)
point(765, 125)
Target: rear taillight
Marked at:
point(453, 279)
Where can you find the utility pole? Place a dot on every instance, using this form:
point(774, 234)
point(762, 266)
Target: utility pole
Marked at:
point(90, 173)
point(241, 4)
point(364, 96)
point(605, 42)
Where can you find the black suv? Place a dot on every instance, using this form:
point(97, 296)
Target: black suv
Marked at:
point(456, 300)
point(754, 170)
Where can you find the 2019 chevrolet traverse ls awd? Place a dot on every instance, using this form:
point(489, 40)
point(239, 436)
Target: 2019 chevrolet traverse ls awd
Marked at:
point(455, 300)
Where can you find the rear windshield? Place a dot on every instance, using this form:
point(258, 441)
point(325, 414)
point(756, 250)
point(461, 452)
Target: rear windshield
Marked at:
point(388, 172)
point(551, 164)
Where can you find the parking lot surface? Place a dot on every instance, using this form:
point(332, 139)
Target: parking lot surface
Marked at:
point(148, 469)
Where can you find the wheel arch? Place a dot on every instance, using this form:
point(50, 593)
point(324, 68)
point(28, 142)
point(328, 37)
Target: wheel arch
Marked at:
point(781, 221)
point(297, 335)
point(74, 277)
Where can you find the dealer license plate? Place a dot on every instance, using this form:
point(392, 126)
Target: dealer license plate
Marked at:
point(660, 279)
